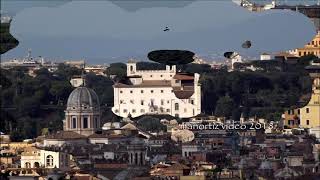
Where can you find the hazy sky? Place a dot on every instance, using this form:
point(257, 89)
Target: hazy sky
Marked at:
point(107, 29)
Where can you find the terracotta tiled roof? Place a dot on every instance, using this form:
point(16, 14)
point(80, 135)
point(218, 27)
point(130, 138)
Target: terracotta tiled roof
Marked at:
point(183, 77)
point(65, 135)
point(285, 54)
point(183, 94)
point(109, 136)
point(178, 166)
point(161, 137)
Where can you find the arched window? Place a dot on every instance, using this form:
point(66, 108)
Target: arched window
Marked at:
point(85, 122)
point(135, 158)
point(36, 165)
point(49, 160)
point(28, 165)
point(74, 122)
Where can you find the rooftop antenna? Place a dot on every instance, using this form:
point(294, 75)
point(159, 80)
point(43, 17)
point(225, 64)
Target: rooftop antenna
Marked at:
point(29, 54)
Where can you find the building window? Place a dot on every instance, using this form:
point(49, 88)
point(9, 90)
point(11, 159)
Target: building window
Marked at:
point(150, 75)
point(162, 102)
point(185, 110)
point(27, 165)
point(151, 91)
point(116, 111)
point(192, 101)
point(121, 101)
point(49, 161)
point(177, 81)
point(142, 102)
point(176, 115)
point(133, 111)
point(96, 123)
point(142, 110)
point(161, 91)
point(168, 110)
point(85, 122)
point(141, 91)
point(121, 92)
point(132, 101)
point(74, 122)
point(308, 122)
point(125, 110)
point(161, 75)
point(298, 111)
point(307, 110)
point(131, 91)
point(291, 122)
point(176, 106)
point(152, 102)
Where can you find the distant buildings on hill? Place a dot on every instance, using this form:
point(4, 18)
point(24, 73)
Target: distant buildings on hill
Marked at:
point(35, 63)
point(312, 47)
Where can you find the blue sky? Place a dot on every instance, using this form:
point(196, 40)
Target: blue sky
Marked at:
point(103, 30)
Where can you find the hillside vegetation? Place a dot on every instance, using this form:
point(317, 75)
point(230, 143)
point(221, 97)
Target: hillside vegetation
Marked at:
point(29, 105)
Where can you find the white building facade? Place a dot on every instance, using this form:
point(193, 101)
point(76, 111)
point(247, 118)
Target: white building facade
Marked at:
point(157, 92)
point(38, 158)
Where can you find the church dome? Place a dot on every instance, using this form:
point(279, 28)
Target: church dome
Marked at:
point(83, 97)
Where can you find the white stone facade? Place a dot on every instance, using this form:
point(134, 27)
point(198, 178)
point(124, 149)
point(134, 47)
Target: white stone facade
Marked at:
point(37, 158)
point(157, 92)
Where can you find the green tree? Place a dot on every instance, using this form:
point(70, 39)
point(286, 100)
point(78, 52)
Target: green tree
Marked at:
point(224, 106)
point(150, 123)
point(117, 69)
point(60, 90)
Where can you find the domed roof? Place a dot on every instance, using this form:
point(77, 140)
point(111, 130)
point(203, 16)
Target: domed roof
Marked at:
point(83, 96)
